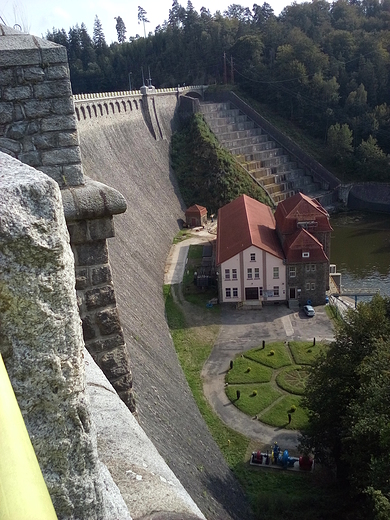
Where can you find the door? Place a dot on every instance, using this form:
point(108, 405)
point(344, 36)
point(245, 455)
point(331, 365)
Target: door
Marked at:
point(251, 293)
point(292, 293)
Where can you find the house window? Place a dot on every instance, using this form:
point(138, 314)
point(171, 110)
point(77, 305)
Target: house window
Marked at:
point(234, 274)
point(249, 273)
point(276, 290)
point(235, 292)
point(257, 273)
point(307, 267)
point(292, 272)
point(313, 286)
point(305, 254)
point(308, 287)
point(227, 274)
point(261, 291)
point(276, 272)
point(228, 292)
point(253, 257)
point(313, 267)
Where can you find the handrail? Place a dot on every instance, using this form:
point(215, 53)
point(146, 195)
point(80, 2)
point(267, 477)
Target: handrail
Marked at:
point(23, 492)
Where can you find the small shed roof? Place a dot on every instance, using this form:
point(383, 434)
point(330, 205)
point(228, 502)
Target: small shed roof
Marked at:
point(196, 210)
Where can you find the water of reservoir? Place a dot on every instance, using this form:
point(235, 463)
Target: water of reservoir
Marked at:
point(360, 248)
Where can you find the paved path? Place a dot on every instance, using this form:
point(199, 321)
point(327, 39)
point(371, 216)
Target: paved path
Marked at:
point(242, 330)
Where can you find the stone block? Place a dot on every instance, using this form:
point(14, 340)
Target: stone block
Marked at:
point(81, 279)
point(62, 106)
point(92, 253)
point(57, 72)
point(73, 173)
point(34, 108)
point(100, 297)
point(32, 75)
point(55, 172)
point(59, 123)
point(9, 145)
point(61, 156)
point(45, 141)
point(78, 232)
point(13, 93)
point(19, 112)
point(88, 328)
point(115, 363)
point(101, 274)
point(17, 130)
point(105, 345)
point(33, 127)
point(124, 383)
point(108, 322)
point(67, 139)
point(52, 89)
point(6, 76)
point(129, 399)
point(32, 158)
point(95, 348)
point(101, 228)
point(54, 53)
point(16, 54)
point(6, 113)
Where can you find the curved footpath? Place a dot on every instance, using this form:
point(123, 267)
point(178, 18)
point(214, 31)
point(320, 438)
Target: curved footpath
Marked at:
point(240, 331)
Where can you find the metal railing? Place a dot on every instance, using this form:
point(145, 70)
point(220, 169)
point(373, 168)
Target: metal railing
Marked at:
point(23, 492)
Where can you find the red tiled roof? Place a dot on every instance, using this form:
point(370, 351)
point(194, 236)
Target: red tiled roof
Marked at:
point(302, 241)
point(301, 208)
point(243, 223)
point(196, 210)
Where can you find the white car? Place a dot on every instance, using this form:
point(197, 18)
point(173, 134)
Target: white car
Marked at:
point(309, 311)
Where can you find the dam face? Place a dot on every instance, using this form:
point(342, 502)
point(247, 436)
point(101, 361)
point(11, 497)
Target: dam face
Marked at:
point(128, 149)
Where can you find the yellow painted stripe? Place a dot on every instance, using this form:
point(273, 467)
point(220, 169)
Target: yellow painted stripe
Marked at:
point(23, 492)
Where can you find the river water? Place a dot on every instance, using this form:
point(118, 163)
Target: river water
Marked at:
point(360, 248)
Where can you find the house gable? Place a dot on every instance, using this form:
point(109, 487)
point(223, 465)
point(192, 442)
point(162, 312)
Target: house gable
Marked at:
point(303, 247)
point(301, 212)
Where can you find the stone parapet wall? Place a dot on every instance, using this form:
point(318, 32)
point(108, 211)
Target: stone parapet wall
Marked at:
point(37, 120)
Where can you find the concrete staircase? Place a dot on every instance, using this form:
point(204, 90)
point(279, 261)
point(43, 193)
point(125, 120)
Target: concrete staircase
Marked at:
point(255, 150)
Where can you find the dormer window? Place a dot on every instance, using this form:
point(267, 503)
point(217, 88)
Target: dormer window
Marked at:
point(305, 254)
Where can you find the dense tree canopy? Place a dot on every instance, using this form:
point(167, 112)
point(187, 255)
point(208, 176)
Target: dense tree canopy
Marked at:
point(347, 398)
point(318, 64)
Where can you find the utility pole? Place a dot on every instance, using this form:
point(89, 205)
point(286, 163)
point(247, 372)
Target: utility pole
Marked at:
point(130, 73)
point(143, 78)
point(231, 71)
point(224, 69)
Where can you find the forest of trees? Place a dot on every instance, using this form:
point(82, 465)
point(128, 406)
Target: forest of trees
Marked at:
point(324, 66)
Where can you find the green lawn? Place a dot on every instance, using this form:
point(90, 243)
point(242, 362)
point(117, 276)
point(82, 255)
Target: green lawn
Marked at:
point(277, 414)
point(247, 371)
point(274, 355)
point(293, 379)
point(304, 352)
point(249, 403)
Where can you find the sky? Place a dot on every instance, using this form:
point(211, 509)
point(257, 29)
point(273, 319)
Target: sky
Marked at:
point(39, 16)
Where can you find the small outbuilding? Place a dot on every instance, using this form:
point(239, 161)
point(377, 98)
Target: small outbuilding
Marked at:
point(196, 216)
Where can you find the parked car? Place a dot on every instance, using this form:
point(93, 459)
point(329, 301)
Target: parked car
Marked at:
point(309, 311)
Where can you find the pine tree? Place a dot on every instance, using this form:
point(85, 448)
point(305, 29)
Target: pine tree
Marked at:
point(142, 17)
point(120, 29)
point(98, 35)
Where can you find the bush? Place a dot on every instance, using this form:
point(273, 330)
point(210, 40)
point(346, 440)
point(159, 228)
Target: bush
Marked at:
point(254, 393)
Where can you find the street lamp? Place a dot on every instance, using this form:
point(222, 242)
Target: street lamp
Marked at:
point(130, 73)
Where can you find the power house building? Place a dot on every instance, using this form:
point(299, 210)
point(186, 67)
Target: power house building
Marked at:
point(267, 259)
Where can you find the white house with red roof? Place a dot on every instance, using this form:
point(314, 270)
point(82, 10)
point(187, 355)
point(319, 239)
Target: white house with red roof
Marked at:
point(262, 258)
point(249, 254)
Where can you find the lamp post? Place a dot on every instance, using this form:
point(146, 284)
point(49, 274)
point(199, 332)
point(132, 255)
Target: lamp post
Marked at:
point(130, 73)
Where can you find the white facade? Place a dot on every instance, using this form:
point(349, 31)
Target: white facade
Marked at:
point(252, 274)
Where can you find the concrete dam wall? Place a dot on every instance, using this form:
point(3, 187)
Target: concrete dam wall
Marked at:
point(125, 144)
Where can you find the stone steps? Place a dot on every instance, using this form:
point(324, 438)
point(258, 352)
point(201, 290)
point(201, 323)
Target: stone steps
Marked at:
point(258, 153)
